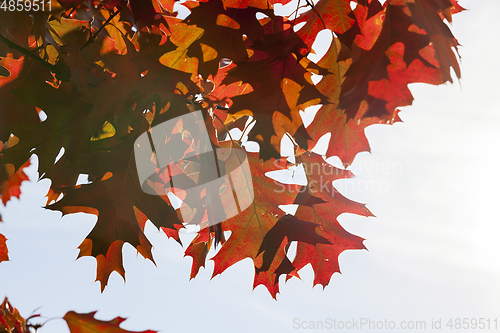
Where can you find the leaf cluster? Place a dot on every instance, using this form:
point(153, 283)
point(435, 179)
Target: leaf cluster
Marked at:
point(11, 321)
point(81, 83)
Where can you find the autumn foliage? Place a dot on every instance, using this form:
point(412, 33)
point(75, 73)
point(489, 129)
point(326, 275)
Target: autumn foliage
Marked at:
point(11, 321)
point(90, 77)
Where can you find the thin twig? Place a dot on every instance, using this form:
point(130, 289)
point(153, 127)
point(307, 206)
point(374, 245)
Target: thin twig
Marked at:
point(296, 12)
point(227, 130)
point(93, 36)
point(295, 145)
point(246, 127)
point(319, 15)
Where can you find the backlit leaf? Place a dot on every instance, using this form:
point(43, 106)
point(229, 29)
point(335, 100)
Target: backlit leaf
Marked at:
point(81, 83)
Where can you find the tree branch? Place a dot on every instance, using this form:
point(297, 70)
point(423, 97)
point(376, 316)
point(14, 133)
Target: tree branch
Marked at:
point(61, 70)
point(93, 36)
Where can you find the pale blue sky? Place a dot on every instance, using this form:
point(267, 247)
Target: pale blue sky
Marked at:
point(433, 247)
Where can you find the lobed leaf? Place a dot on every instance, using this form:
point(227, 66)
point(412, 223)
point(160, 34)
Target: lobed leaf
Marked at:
point(81, 83)
point(86, 323)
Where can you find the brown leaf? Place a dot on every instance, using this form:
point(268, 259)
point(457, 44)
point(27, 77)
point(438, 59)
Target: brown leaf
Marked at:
point(86, 323)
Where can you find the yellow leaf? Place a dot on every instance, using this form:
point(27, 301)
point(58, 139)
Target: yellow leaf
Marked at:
point(209, 53)
point(183, 35)
point(107, 131)
point(179, 60)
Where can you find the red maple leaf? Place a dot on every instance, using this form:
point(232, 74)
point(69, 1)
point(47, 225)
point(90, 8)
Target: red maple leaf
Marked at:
point(326, 14)
point(324, 213)
point(4, 252)
point(10, 319)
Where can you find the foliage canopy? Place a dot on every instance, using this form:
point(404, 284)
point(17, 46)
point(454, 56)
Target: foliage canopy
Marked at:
point(89, 77)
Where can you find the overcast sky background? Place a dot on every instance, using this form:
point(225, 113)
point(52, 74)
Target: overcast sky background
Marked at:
point(433, 247)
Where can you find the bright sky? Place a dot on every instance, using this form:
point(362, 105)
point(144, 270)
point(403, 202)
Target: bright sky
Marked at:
point(433, 247)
